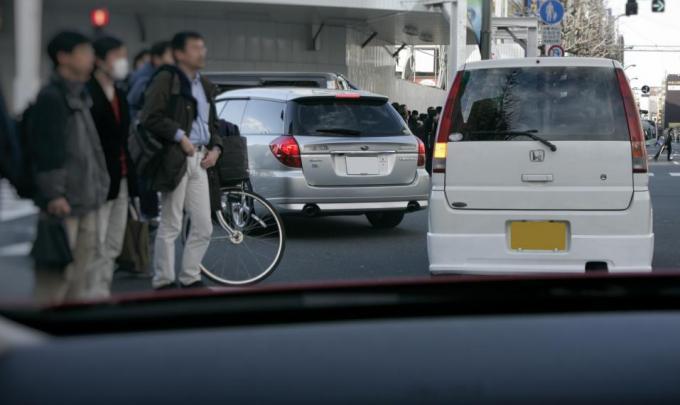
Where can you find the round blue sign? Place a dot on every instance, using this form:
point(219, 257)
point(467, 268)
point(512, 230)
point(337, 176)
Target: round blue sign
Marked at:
point(551, 12)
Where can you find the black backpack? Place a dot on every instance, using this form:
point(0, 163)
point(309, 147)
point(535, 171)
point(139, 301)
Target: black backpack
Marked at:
point(145, 149)
point(16, 153)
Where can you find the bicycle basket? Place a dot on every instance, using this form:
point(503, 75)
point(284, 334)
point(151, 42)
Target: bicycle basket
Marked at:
point(233, 163)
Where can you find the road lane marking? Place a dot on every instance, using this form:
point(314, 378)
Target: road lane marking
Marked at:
point(651, 174)
point(675, 174)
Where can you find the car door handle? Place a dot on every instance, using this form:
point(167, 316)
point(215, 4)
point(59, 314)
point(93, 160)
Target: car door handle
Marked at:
point(537, 178)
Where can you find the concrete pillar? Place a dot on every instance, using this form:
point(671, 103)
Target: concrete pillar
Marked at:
point(27, 50)
point(455, 12)
point(532, 42)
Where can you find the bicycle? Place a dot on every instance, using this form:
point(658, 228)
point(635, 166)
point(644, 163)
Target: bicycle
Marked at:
point(248, 238)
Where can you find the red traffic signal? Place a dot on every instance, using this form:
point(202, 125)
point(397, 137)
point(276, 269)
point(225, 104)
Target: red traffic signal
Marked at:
point(99, 17)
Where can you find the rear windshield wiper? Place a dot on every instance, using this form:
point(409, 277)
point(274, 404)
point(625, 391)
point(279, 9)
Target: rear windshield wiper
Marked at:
point(531, 133)
point(342, 131)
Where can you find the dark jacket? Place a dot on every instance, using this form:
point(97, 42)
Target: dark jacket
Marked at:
point(68, 156)
point(113, 136)
point(169, 106)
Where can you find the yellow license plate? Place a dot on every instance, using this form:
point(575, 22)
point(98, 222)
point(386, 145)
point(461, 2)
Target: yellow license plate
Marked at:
point(538, 235)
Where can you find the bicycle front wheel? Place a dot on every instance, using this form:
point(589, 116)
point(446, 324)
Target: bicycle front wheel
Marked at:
point(248, 240)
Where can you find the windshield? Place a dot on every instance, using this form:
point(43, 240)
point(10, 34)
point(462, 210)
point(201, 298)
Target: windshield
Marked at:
point(332, 116)
point(559, 103)
point(353, 145)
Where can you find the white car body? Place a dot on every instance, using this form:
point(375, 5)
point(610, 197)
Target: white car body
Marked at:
point(588, 185)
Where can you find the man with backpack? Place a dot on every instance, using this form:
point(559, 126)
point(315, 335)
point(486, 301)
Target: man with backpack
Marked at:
point(179, 109)
point(70, 170)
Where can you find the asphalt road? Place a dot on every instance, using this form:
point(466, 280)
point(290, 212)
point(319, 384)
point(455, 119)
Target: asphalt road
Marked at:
point(347, 248)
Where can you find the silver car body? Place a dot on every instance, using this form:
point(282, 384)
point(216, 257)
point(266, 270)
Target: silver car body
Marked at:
point(324, 180)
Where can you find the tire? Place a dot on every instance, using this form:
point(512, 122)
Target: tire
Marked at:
point(252, 198)
point(385, 219)
point(219, 221)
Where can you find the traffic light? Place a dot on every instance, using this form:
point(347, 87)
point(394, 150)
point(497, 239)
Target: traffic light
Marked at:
point(631, 7)
point(99, 18)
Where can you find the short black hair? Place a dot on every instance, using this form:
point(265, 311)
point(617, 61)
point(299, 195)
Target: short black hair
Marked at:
point(140, 55)
point(159, 48)
point(102, 46)
point(439, 108)
point(65, 41)
point(414, 112)
point(179, 40)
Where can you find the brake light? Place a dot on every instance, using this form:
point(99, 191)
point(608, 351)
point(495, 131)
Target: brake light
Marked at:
point(637, 138)
point(286, 150)
point(348, 95)
point(445, 125)
point(421, 153)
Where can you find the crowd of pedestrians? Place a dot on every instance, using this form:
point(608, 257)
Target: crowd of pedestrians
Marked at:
point(73, 143)
point(423, 126)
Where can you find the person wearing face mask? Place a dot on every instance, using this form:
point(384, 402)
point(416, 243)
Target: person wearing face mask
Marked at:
point(112, 118)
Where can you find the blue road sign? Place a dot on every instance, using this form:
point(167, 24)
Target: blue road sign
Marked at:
point(551, 12)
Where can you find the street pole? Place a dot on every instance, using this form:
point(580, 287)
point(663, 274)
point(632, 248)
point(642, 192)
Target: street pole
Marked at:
point(27, 48)
point(485, 48)
point(455, 12)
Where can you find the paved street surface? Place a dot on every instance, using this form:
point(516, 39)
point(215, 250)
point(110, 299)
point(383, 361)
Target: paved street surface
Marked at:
point(340, 248)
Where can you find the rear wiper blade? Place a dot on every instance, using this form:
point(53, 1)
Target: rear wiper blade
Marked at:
point(344, 131)
point(531, 133)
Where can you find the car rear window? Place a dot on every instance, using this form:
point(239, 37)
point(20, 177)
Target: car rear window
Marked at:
point(558, 103)
point(365, 116)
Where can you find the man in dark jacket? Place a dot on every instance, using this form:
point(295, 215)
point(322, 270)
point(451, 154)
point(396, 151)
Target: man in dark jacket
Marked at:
point(180, 111)
point(71, 174)
point(111, 116)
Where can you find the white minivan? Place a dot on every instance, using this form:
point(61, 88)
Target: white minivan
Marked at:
point(540, 166)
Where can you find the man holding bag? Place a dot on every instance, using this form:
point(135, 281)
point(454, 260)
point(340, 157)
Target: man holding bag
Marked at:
point(70, 173)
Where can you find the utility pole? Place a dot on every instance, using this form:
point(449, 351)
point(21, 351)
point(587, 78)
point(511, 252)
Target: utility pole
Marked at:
point(485, 46)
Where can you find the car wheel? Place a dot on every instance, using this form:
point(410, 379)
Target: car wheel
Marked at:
point(385, 220)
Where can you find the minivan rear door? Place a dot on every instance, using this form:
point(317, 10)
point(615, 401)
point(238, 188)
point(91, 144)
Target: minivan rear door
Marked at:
point(496, 162)
point(352, 140)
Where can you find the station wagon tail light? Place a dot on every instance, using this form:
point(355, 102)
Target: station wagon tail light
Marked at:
point(287, 151)
point(421, 153)
point(348, 95)
point(637, 137)
point(445, 126)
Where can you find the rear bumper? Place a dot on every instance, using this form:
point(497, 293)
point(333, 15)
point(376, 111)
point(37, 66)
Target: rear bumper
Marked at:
point(290, 193)
point(466, 241)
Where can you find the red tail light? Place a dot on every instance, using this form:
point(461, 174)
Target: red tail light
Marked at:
point(445, 125)
point(637, 138)
point(421, 153)
point(286, 150)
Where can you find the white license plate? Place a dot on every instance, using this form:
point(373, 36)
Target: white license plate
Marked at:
point(362, 165)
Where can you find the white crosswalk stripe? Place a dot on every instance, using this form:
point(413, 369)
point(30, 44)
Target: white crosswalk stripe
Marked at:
point(11, 207)
point(674, 174)
point(17, 249)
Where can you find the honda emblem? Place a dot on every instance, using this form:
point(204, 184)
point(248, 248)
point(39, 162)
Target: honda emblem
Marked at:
point(537, 155)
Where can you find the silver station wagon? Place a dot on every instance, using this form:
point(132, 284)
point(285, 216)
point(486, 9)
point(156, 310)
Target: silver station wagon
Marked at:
point(330, 152)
